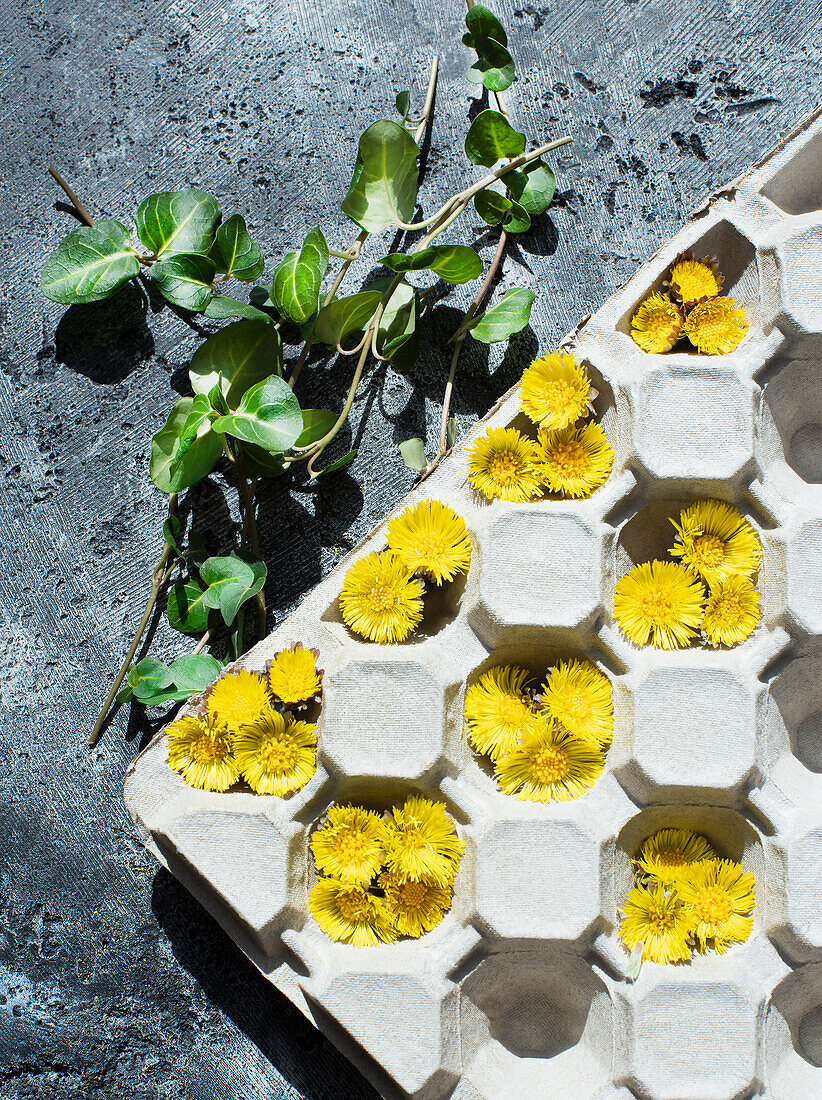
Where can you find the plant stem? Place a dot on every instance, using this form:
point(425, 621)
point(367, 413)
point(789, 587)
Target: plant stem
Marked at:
point(203, 642)
point(75, 202)
point(159, 577)
point(249, 529)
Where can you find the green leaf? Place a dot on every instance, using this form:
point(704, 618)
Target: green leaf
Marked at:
point(296, 287)
point(172, 529)
point(533, 187)
point(221, 306)
point(89, 264)
point(145, 678)
point(491, 138)
point(268, 415)
point(259, 463)
point(231, 581)
point(383, 188)
point(494, 67)
point(345, 315)
point(413, 454)
point(185, 449)
point(235, 253)
point(177, 221)
point(451, 432)
point(316, 424)
point(454, 263)
point(511, 314)
point(185, 280)
point(237, 358)
point(491, 206)
point(482, 23)
point(397, 333)
point(335, 466)
point(186, 609)
point(516, 220)
point(403, 104)
point(193, 672)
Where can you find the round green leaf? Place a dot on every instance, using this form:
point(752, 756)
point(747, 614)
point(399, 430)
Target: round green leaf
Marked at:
point(193, 672)
point(221, 306)
point(516, 220)
point(344, 315)
point(403, 104)
point(259, 463)
point(532, 187)
point(482, 23)
point(89, 264)
point(145, 678)
point(316, 424)
point(185, 280)
point(383, 187)
point(237, 358)
point(494, 67)
point(185, 449)
point(491, 206)
point(511, 314)
point(268, 415)
point(235, 253)
point(397, 333)
point(297, 281)
point(177, 221)
point(185, 609)
point(454, 263)
point(231, 581)
point(491, 138)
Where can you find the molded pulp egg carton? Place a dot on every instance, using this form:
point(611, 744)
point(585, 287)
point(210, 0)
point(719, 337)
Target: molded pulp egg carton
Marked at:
point(521, 990)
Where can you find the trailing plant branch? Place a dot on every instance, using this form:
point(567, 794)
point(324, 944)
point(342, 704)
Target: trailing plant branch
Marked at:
point(75, 202)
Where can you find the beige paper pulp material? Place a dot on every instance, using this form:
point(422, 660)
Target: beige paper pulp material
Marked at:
point(520, 992)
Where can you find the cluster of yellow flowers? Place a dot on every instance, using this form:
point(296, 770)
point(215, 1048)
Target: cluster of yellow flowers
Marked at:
point(690, 306)
point(665, 604)
point(546, 746)
point(569, 457)
point(382, 593)
point(388, 875)
point(685, 899)
point(246, 729)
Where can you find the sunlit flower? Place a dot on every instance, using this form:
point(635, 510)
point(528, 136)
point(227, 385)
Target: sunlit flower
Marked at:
point(716, 327)
point(498, 710)
point(732, 611)
point(238, 698)
point(414, 907)
point(658, 921)
point(380, 599)
point(670, 853)
point(293, 675)
point(718, 899)
point(657, 324)
point(555, 391)
point(348, 914)
point(351, 844)
point(549, 765)
point(201, 749)
point(431, 539)
point(716, 541)
point(694, 280)
point(423, 842)
point(575, 461)
point(659, 602)
point(276, 754)
point(502, 464)
point(579, 697)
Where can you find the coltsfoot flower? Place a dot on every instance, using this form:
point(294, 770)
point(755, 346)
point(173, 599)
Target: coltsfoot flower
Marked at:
point(275, 754)
point(349, 914)
point(293, 675)
point(201, 749)
point(694, 280)
point(498, 710)
point(575, 461)
point(351, 844)
point(430, 539)
point(414, 907)
point(380, 599)
point(657, 324)
point(732, 612)
point(549, 765)
point(658, 921)
point(578, 696)
point(238, 698)
point(555, 391)
point(659, 602)
point(670, 853)
point(716, 327)
point(502, 465)
point(718, 899)
point(716, 542)
point(423, 842)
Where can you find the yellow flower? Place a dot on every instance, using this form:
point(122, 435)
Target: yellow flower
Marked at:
point(201, 749)
point(670, 853)
point(550, 765)
point(293, 675)
point(657, 324)
point(502, 464)
point(732, 611)
point(554, 391)
point(692, 280)
point(276, 754)
point(414, 907)
point(423, 842)
point(716, 542)
point(718, 899)
point(351, 844)
point(658, 921)
point(380, 599)
point(575, 461)
point(237, 698)
point(348, 914)
point(659, 602)
point(716, 327)
point(431, 539)
point(498, 710)
point(578, 696)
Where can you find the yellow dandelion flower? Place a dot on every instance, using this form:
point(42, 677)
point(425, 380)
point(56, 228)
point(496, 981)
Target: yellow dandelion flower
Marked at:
point(659, 602)
point(578, 696)
point(732, 612)
point(718, 898)
point(238, 698)
point(550, 765)
point(414, 907)
point(555, 391)
point(716, 541)
point(293, 675)
point(658, 921)
point(380, 599)
point(657, 324)
point(423, 842)
point(716, 327)
point(275, 754)
point(502, 465)
point(670, 853)
point(692, 280)
point(498, 710)
point(351, 844)
point(349, 914)
point(575, 461)
point(430, 538)
point(201, 749)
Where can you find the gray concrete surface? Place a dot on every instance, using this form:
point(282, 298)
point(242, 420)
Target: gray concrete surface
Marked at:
point(113, 982)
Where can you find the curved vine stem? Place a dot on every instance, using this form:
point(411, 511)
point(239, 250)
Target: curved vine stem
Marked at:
point(75, 202)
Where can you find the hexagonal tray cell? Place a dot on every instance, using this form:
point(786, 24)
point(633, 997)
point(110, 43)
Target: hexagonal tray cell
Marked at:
point(790, 428)
point(794, 714)
point(796, 186)
point(793, 1036)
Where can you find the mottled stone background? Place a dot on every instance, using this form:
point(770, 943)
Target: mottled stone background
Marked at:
point(113, 981)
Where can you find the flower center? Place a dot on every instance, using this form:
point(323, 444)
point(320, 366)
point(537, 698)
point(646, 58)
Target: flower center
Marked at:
point(411, 838)
point(558, 392)
point(505, 467)
point(661, 319)
point(549, 765)
point(511, 711)
point(670, 860)
point(713, 905)
point(709, 550)
point(660, 918)
point(381, 596)
point(207, 749)
point(569, 459)
point(413, 894)
point(577, 705)
point(430, 547)
point(657, 606)
point(277, 756)
point(729, 611)
point(354, 906)
point(351, 843)
point(694, 281)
